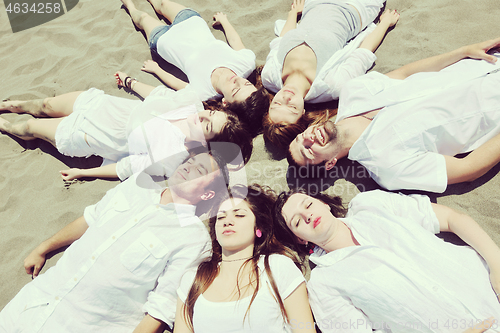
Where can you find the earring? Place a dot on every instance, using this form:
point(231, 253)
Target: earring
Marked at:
point(258, 233)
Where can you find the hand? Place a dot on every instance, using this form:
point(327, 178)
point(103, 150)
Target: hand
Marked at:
point(150, 66)
point(478, 51)
point(297, 6)
point(71, 174)
point(34, 262)
point(390, 17)
point(486, 324)
point(219, 19)
point(120, 77)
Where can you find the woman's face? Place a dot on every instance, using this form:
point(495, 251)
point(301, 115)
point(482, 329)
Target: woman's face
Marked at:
point(308, 218)
point(286, 107)
point(235, 226)
point(206, 124)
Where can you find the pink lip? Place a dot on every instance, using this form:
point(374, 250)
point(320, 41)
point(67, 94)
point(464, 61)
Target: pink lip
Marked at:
point(291, 92)
point(316, 222)
point(228, 232)
point(180, 174)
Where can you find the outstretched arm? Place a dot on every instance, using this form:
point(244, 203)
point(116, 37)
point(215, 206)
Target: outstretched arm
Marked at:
point(474, 165)
point(67, 235)
point(291, 20)
point(388, 19)
point(170, 80)
point(437, 63)
point(471, 233)
point(180, 321)
point(233, 39)
point(107, 171)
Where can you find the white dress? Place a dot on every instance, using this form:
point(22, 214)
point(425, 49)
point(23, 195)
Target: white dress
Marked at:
point(133, 133)
point(264, 315)
point(425, 116)
point(191, 47)
point(401, 278)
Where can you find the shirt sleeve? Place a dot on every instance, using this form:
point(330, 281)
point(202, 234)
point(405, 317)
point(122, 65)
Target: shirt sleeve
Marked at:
point(271, 72)
point(334, 312)
point(186, 283)
point(162, 301)
point(355, 65)
point(286, 275)
point(413, 208)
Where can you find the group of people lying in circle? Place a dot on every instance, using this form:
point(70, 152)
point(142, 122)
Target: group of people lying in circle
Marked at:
point(141, 259)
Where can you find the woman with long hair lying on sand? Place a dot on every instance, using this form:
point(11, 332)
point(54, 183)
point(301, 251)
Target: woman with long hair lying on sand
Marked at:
point(311, 62)
point(250, 283)
point(381, 266)
point(131, 133)
point(214, 68)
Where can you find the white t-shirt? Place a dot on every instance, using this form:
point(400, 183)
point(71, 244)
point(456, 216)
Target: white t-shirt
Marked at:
point(426, 116)
point(401, 276)
point(191, 47)
point(264, 315)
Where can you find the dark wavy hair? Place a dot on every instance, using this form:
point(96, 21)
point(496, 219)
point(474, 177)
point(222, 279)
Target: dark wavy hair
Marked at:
point(252, 110)
point(281, 135)
point(234, 131)
point(285, 235)
point(261, 201)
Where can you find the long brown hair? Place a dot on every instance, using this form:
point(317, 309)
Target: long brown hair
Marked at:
point(261, 200)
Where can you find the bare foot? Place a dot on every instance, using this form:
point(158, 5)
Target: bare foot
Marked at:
point(12, 106)
point(120, 78)
point(128, 4)
point(17, 130)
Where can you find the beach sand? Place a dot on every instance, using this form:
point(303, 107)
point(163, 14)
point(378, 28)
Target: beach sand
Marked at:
point(84, 48)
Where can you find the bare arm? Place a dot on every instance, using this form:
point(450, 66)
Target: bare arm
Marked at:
point(388, 19)
point(170, 80)
point(180, 322)
point(474, 165)
point(150, 325)
point(298, 310)
point(471, 233)
point(107, 171)
point(437, 63)
point(233, 39)
point(291, 20)
point(67, 235)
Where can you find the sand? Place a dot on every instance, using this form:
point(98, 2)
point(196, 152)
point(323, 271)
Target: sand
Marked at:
point(83, 49)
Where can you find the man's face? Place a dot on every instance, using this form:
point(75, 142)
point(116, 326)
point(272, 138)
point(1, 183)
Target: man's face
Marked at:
point(235, 88)
point(286, 107)
point(192, 178)
point(315, 145)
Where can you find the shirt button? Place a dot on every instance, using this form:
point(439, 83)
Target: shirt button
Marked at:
point(151, 245)
point(93, 257)
point(75, 279)
point(135, 220)
point(57, 298)
point(435, 288)
point(113, 237)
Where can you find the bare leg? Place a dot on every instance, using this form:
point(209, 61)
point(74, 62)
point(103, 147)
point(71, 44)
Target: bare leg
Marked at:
point(32, 129)
point(141, 19)
point(54, 107)
point(166, 8)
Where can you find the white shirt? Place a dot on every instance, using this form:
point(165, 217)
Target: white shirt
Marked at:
point(426, 116)
point(129, 262)
point(153, 138)
point(264, 315)
point(191, 47)
point(401, 276)
point(342, 66)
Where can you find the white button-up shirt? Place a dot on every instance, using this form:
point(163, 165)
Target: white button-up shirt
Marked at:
point(401, 278)
point(425, 116)
point(128, 263)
